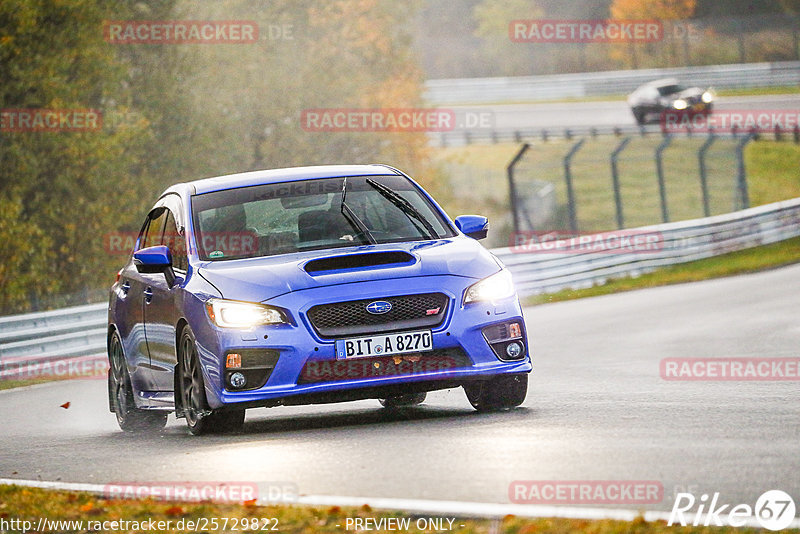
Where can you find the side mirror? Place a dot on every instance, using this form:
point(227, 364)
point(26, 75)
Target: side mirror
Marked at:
point(474, 226)
point(154, 260)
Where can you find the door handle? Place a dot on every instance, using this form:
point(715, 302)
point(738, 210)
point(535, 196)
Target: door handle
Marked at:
point(126, 286)
point(148, 295)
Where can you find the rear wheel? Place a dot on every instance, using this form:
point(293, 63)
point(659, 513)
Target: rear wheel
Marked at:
point(499, 393)
point(199, 417)
point(403, 401)
point(120, 392)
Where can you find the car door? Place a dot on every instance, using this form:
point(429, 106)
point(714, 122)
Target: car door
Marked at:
point(160, 307)
point(132, 288)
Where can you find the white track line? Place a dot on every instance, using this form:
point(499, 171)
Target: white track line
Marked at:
point(420, 506)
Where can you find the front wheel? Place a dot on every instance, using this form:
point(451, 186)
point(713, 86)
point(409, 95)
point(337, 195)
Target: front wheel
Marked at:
point(199, 417)
point(499, 393)
point(120, 393)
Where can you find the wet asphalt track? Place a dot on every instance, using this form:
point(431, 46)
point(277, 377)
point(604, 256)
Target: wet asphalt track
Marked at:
point(597, 409)
point(600, 114)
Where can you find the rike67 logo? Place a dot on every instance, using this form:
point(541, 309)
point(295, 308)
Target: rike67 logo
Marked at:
point(774, 510)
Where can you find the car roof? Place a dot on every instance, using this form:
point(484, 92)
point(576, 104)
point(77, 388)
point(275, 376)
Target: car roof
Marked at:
point(662, 82)
point(271, 176)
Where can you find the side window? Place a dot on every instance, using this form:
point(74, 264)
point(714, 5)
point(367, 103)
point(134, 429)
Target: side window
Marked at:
point(155, 229)
point(175, 242)
point(143, 233)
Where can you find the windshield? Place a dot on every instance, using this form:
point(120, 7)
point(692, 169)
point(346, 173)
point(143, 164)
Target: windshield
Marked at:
point(665, 90)
point(288, 217)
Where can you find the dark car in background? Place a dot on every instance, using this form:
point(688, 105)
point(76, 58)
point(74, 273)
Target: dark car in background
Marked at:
point(652, 99)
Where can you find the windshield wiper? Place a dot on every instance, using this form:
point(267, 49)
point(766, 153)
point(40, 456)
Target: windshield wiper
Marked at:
point(354, 219)
point(406, 207)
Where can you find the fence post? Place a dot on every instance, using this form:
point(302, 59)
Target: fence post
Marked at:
point(741, 173)
point(615, 180)
point(512, 189)
point(662, 189)
point(740, 39)
point(795, 40)
point(573, 217)
point(701, 155)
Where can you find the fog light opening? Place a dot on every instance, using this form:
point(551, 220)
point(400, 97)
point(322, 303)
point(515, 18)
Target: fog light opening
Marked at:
point(237, 380)
point(513, 350)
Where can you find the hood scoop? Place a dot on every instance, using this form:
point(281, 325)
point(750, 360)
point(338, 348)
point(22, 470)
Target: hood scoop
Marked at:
point(359, 261)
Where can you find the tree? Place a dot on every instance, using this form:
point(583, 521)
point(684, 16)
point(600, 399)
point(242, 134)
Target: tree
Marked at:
point(189, 111)
point(671, 13)
point(493, 18)
point(52, 56)
point(653, 9)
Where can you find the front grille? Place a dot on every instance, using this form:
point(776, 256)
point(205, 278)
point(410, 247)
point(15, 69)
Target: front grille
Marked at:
point(437, 361)
point(352, 318)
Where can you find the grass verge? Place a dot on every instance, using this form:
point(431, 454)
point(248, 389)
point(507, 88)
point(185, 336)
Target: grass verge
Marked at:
point(31, 504)
point(20, 383)
point(478, 181)
point(743, 261)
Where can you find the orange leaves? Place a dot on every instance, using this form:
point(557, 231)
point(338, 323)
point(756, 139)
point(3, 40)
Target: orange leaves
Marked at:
point(653, 9)
point(174, 511)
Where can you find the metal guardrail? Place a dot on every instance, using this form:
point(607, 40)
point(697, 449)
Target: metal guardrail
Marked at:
point(581, 85)
point(538, 272)
point(36, 339)
point(80, 332)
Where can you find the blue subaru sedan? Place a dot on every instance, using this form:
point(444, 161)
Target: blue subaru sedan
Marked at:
point(308, 285)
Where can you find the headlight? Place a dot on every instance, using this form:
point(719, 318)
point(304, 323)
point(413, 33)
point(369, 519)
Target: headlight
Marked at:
point(236, 314)
point(707, 97)
point(495, 287)
point(680, 104)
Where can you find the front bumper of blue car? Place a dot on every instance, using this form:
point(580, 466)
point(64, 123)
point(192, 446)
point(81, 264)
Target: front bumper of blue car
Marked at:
point(298, 362)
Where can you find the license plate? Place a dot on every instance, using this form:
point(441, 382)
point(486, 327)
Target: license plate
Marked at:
point(384, 345)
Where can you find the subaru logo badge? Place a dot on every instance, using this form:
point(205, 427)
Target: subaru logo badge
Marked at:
point(378, 307)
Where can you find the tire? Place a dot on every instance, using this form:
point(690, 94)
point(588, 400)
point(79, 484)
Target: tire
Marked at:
point(120, 394)
point(403, 401)
point(199, 417)
point(500, 393)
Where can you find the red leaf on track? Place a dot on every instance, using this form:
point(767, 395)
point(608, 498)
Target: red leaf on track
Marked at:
point(65, 405)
